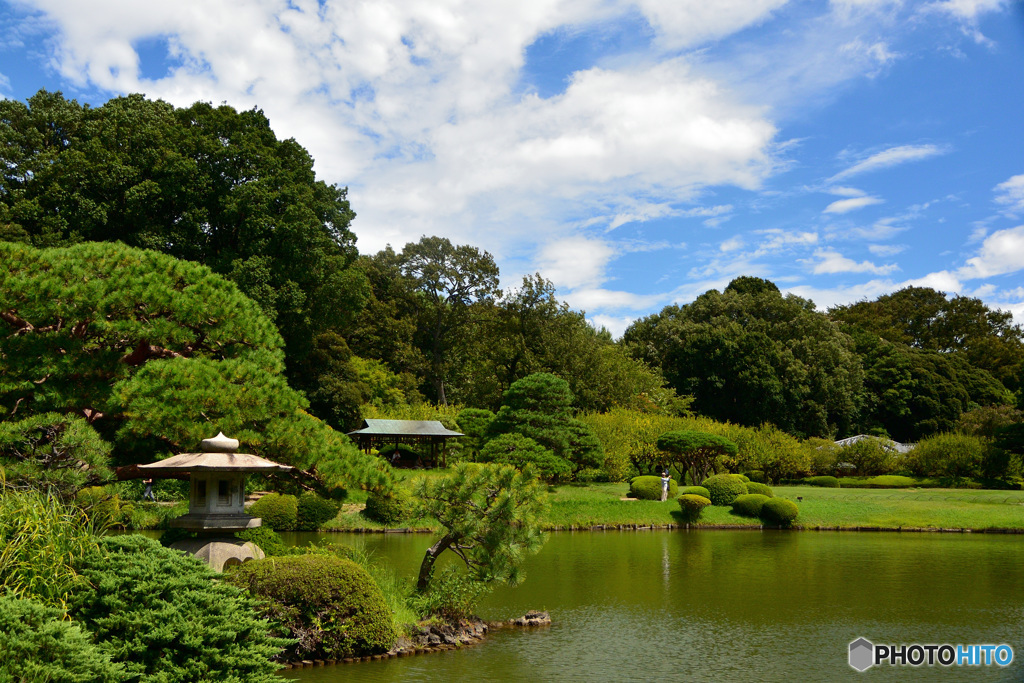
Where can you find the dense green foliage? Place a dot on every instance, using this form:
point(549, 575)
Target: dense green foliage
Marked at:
point(749, 355)
point(691, 506)
point(723, 488)
point(824, 481)
point(52, 452)
point(951, 456)
point(695, 453)
point(473, 422)
point(490, 515)
point(328, 604)
point(452, 595)
point(755, 487)
point(749, 504)
point(279, 511)
point(538, 407)
point(520, 451)
point(314, 511)
point(696, 491)
point(39, 644)
point(388, 507)
point(779, 511)
point(870, 456)
point(163, 617)
point(648, 487)
point(265, 538)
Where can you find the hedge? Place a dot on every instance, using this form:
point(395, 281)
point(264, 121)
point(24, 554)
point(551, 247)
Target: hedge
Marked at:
point(648, 487)
point(723, 488)
point(763, 489)
point(692, 506)
point(749, 504)
point(695, 491)
point(279, 512)
point(329, 604)
point(823, 481)
point(779, 511)
point(314, 511)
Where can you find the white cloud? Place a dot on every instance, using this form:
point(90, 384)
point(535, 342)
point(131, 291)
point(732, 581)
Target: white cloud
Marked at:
point(852, 204)
point(1002, 252)
point(846, 191)
point(968, 9)
point(886, 249)
point(827, 261)
point(1011, 194)
point(611, 300)
point(891, 157)
point(734, 243)
point(575, 262)
point(683, 24)
point(615, 324)
point(779, 240)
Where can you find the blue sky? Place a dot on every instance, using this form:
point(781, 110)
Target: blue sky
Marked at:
point(636, 153)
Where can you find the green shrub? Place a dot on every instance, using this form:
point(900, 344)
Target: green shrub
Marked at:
point(779, 511)
point(648, 487)
point(589, 475)
point(266, 539)
point(278, 511)
point(388, 507)
point(723, 488)
point(695, 491)
point(882, 481)
point(870, 456)
point(744, 478)
point(519, 451)
point(692, 506)
point(823, 481)
point(951, 456)
point(314, 511)
point(749, 504)
point(450, 596)
point(165, 617)
point(329, 604)
point(39, 644)
point(105, 510)
point(755, 475)
point(763, 489)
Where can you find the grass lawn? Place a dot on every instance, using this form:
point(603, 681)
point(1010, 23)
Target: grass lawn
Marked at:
point(582, 507)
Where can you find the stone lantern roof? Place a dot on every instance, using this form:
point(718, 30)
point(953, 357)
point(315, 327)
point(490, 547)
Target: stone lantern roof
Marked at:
point(218, 455)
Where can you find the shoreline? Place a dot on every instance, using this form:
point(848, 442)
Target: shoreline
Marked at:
point(701, 527)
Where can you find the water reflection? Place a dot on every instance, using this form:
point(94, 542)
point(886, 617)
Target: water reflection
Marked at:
point(727, 606)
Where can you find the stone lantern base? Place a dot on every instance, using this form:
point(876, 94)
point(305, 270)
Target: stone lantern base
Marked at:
point(221, 552)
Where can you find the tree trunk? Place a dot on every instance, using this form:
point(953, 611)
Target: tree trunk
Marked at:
point(427, 567)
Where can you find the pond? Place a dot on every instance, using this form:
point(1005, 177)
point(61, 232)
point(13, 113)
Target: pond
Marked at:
point(725, 606)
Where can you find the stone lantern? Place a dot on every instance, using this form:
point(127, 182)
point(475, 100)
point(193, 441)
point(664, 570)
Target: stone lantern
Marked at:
point(216, 506)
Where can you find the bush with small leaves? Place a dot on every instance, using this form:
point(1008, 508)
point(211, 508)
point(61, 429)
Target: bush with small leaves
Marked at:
point(822, 481)
point(779, 511)
point(452, 595)
point(723, 488)
point(388, 507)
point(692, 506)
point(314, 511)
point(755, 475)
point(749, 504)
point(266, 539)
point(278, 511)
point(164, 617)
point(648, 487)
point(763, 489)
point(329, 604)
point(39, 644)
point(696, 491)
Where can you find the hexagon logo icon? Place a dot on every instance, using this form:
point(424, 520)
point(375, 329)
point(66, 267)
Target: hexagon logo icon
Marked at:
point(862, 654)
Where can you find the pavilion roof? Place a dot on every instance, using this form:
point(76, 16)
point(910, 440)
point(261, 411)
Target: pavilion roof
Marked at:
point(404, 428)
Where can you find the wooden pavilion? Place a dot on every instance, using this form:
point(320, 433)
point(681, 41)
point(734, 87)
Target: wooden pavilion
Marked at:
point(382, 433)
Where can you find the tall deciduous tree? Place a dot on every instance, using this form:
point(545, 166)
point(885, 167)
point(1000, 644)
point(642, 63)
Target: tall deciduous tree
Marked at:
point(449, 280)
point(749, 355)
point(491, 519)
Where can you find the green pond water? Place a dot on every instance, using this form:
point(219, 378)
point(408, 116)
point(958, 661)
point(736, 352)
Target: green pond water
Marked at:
point(725, 606)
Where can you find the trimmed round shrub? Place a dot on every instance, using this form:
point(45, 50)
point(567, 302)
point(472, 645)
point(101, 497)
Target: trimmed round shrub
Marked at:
point(329, 604)
point(314, 511)
point(387, 507)
point(268, 540)
point(648, 487)
point(744, 478)
point(692, 506)
point(763, 489)
point(164, 616)
point(823, 481)
point(755, 475)
point(779, 511)
point(695, 491)
point(749, 504)
point(278, 511)
point(39, 644)
point(723, 488)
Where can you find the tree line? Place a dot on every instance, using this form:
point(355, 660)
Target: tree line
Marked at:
point(333, 331)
